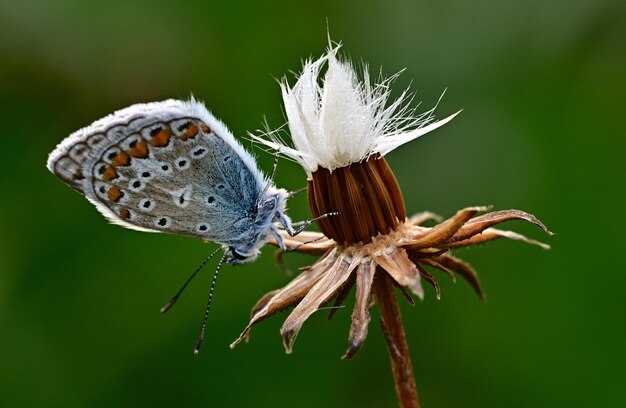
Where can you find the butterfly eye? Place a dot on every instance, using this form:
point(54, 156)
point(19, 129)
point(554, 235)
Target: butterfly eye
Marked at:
point(269, 205)
point(237, 255)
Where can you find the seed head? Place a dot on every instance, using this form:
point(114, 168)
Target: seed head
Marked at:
point(342, 127)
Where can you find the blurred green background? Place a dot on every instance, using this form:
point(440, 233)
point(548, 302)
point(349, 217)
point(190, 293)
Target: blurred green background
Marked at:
point(542, 88)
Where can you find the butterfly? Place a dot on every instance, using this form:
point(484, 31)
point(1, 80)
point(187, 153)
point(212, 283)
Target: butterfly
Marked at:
point(171, 166)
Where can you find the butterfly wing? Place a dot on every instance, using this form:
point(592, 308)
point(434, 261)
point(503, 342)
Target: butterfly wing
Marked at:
point(166, 166)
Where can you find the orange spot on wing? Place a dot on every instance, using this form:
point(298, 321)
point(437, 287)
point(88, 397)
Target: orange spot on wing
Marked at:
point(109, 173)
point(124, 213)
point(205, 128)
point(115, 194)
point(161, 138)
point(121, 159)
point(190, 132)
point(140, 150)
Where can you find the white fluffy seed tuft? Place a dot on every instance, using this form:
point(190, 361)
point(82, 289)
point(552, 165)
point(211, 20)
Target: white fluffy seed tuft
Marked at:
point(342, 119)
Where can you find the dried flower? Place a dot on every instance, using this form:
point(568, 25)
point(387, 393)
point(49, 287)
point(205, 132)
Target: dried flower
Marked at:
point(341, 130)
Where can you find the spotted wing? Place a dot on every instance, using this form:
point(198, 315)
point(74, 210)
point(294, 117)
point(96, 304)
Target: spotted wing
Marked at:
point(166, 166)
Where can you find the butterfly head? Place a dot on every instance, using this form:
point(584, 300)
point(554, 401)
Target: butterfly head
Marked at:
point(239, 255)
point(270, 209)
point(272, 202)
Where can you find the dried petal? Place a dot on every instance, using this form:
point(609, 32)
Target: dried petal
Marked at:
point(437, 265)
point(342, 294)
point(443, 231)
point(285, 297)
point(479, 224)
point(406, 294)
point(422, 217)
point(465, 270)
point(261, 303)
point(360, 315)
point(402, 255)
point(427, 253)
point(402, 270)
point(324, 289)
point(430, 279)
point(491, 234)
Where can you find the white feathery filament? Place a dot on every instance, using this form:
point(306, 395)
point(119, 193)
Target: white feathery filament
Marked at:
point(341, 119)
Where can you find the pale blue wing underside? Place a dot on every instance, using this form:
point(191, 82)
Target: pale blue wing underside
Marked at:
point(167, 166)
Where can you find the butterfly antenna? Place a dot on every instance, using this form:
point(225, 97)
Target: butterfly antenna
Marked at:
point(271, 178)
point(173, 300)
point(276, 157)
point(298, 191)
point(196, 349)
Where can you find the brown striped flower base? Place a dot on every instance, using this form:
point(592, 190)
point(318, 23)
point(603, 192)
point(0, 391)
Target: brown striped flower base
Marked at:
point(366, 195)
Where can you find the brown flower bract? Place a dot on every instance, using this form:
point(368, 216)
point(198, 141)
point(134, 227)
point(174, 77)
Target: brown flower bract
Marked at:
point(372, 237)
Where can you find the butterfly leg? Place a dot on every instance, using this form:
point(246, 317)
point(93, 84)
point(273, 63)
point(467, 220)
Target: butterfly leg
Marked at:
point(298, 223)
point(279, 239)
point(278, 257)
point(286, 223)
point(283, 249)
point(295, 247)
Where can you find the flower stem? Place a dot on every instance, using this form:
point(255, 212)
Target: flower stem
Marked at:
point(391, 323)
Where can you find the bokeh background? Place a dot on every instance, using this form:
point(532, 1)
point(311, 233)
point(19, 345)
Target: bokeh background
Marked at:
point(542, 88)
